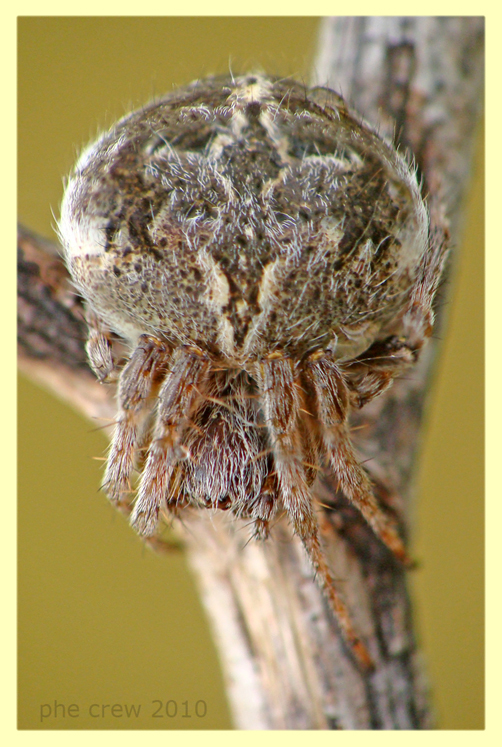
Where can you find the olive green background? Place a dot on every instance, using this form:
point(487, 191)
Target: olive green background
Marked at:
point(104, 621)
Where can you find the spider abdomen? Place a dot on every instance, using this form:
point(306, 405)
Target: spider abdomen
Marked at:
point(252, 221)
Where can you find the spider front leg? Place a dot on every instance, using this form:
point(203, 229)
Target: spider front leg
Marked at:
point(332, 403)
point(135, 388)
point(418, 316)
point(264, 509)
point(281, 400)
point(371, 373)
point(99, 348)
point(176, 399)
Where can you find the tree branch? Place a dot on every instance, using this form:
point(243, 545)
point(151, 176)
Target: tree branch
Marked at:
point(285, 663)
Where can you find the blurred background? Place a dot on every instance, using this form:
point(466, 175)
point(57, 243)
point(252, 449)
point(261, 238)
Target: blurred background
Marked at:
point(104, 621)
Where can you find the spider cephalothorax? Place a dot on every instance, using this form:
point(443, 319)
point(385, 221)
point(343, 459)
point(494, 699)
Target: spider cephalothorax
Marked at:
point(266, 256)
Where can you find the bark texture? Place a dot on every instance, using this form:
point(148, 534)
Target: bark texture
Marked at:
point(286, 666)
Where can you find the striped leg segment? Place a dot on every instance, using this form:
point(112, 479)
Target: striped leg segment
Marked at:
point(135, 389)
point(282, 401)
point(176, 399)
point(332, 399)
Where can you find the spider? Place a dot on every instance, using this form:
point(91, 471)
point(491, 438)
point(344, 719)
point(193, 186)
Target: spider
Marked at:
point(267, 258)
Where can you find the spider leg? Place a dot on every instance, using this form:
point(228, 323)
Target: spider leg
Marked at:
point(332, 398)
point(281, 404)
point(264, 509)
point(373, 372)
point(176, 397)
point(418, 318)
point(135, 387)
point(99, 348)
point(156, 544)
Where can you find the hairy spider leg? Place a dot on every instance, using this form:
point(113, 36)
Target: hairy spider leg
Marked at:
point(282, 410)
point(373, 372)
point(264, 509)
point(99, 348)
point(135, 388)
point(418, 318)
point(332, 399)
point(177, 396)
